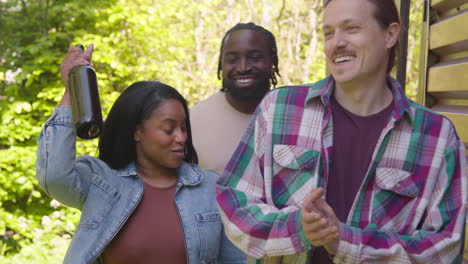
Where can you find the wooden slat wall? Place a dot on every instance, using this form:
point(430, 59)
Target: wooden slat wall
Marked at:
point(447, 77)
point(442, 32)
point(444, 86)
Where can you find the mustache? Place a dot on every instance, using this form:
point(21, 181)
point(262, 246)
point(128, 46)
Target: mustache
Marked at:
point(342, 52)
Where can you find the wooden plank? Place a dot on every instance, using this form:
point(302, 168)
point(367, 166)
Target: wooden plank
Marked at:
point(461, 124)
point(450, 77)
point(453, 51)
point(453, 11)
point(443, 6)
point(449, 31)
point(465, 253)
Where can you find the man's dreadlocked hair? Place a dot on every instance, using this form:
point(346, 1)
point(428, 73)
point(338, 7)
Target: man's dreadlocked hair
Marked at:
point(271, 43)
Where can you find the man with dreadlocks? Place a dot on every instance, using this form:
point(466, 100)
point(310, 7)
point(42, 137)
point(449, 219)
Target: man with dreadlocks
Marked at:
point(248, 62)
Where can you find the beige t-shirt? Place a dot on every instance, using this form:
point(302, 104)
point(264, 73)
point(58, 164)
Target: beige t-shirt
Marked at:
point(217, 129)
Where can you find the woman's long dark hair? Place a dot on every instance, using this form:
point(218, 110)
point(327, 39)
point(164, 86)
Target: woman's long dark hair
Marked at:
point(116, 144)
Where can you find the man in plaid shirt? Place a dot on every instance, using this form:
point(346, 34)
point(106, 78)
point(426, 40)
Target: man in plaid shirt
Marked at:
point(348, 170)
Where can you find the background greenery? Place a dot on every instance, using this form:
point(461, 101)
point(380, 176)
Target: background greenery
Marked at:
point(174, 41)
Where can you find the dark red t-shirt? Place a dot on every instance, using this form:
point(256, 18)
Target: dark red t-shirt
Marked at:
point(354, 141)
point(152, 234)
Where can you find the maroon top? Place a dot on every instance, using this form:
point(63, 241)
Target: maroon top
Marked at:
point(153, 232)
point(354, 141)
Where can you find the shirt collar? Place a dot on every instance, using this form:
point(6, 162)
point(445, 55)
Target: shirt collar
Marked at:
point(324, 90)
point(128, 171)
point(189, 174)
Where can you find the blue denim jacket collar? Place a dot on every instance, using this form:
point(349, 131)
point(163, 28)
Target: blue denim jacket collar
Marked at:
point(188, 174)
point(129, 170)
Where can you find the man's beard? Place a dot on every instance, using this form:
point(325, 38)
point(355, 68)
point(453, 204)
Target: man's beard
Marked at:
point(254, 93)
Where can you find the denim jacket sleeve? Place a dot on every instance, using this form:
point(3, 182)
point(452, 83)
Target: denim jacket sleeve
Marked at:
point(229, 253)
point(62, 176)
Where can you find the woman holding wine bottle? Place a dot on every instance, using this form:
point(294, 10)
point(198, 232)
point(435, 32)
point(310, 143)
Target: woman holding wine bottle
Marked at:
point(143, 200)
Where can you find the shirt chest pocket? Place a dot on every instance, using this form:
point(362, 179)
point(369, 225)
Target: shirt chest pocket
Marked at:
point(209, 232)
point(101, 198)
point(395, 201)
point(397, 181)
point(293, 167)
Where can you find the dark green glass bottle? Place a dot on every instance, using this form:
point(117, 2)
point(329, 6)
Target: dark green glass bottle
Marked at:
point(84, 97)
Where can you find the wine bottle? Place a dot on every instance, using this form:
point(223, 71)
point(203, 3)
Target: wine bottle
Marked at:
point(84, 97)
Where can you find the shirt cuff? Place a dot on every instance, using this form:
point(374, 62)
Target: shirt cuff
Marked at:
point(62, 115)
point(350, 245)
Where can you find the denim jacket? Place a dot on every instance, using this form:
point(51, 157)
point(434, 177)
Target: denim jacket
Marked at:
point(107, 197)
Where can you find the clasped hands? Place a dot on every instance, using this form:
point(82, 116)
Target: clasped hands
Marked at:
point(319, 222)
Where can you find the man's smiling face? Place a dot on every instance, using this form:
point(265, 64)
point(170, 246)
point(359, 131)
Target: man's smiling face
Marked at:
point(246, 65)
point(356, 46)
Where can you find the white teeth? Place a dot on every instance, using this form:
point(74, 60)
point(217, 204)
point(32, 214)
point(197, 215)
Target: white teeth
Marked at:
point(341, 59)
point(244, 81)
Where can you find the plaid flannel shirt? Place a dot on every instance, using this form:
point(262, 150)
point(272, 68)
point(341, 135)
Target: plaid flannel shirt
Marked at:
point(410, 206)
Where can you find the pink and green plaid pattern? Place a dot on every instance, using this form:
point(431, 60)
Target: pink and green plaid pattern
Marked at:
point(410, 207)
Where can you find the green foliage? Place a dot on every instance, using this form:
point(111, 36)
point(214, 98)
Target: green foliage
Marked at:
point(414, 49)
point(34, 38)
point(25, 211)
